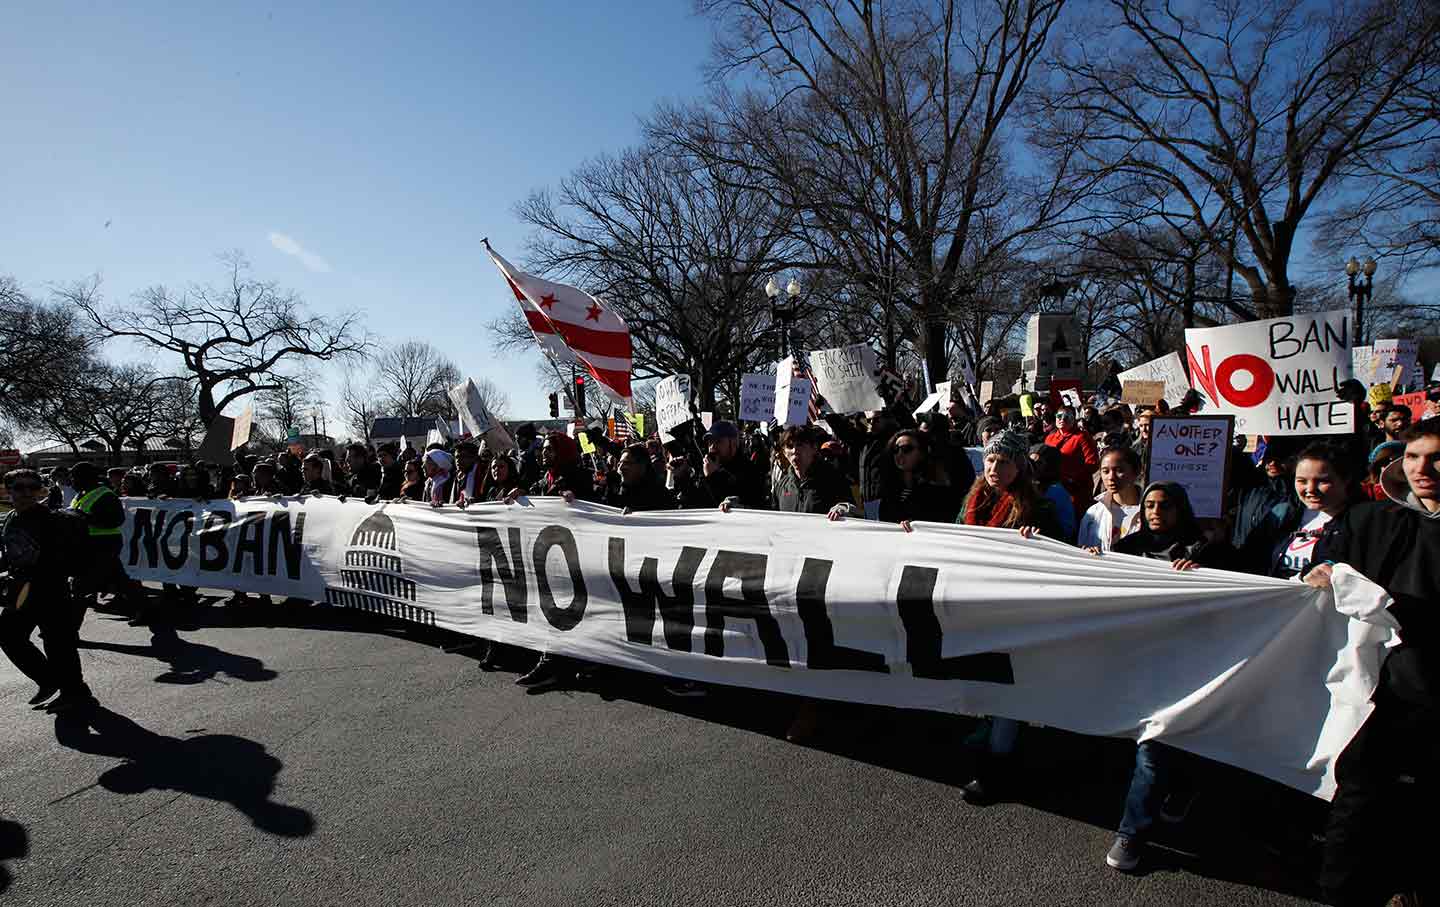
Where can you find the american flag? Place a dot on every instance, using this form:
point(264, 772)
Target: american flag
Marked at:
point(620, 429)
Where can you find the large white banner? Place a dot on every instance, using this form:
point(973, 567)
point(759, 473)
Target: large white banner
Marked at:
point(1256, 672)
point(1276, 377)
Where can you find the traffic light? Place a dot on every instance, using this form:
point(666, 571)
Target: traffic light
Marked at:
point(554, 406)
point(579, 395)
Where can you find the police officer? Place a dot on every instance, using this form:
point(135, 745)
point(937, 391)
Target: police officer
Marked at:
point(36, 547)
point(104, 516)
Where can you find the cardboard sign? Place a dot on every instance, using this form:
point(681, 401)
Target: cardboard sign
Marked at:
point(477, 419)
point(1168, 368)
point(1142, 393)
point(757, 397)
point(672, 404)
point(792, 396)
point(215, 448)
point(1070, 396)
point(1027, 405)
point(586, 445)
point(1396, 353)
point(1414, 402)
point(1058, 387)
point(1277, 376)
point(1362, 364)
point(987, 392)
point(845, 377)
point(1194, 452)
point(928, 404)
point(240, 431)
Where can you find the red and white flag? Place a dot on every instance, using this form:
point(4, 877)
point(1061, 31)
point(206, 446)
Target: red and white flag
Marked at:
point(570, 325)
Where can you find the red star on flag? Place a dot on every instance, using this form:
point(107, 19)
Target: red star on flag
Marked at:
point(593, 313)
point(548, 301)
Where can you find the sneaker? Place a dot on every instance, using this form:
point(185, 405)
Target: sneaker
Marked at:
point(1124, 854)
point(1175, 807)
point(684, 689)
point(977, 793)
point(45, 693)
point(488, 657)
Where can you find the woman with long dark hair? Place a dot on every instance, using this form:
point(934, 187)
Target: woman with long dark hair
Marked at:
point(1283, 544)
point(914, 490)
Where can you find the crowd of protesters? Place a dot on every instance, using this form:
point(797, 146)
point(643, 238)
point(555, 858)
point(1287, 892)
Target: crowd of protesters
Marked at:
point(1075, 475)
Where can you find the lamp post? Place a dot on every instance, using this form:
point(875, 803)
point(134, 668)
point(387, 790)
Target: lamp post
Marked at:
point(785, 311)
point(1360, 292)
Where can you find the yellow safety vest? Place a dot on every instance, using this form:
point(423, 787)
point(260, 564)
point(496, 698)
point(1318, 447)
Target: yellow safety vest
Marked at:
point(84, 502)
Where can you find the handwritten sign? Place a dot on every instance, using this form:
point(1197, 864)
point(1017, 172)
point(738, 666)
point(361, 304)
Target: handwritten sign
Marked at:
point(1277, 376)
point(672, 404)
point(757, 397)
point(240, 431)
point(1392, 354)
point(845, 377)
point(1168, 368)
point(1142, 393)
point(1414, 402)
point(1193, 452)
point(792, 396)
point(476, 418)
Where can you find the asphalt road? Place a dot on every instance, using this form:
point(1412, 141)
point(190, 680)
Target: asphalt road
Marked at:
point(327, 757)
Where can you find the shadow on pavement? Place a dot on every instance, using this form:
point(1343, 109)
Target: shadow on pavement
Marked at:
point(14, 845)
point(190, 662)
point(212, 766)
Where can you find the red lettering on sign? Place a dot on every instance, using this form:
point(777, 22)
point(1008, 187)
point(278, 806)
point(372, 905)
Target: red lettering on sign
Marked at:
point(1218, 383)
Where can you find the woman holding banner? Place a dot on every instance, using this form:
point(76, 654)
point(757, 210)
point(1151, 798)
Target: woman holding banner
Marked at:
point(1159, 787)
point(1283, 545)
point(1004, 497)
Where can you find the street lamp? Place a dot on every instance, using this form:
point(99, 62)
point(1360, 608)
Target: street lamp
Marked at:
point(784, 310)
point(1360, 292)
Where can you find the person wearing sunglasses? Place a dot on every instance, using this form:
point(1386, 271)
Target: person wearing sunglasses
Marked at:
point(38, 547)
point(913, 489)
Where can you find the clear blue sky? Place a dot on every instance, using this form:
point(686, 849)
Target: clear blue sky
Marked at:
point(383, 142)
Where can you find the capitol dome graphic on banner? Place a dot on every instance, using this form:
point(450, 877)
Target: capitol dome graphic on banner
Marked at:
point(373, 576)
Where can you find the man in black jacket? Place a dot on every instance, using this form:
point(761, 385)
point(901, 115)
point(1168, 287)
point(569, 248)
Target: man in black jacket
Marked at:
point(728, 477)
point(1393, 762)
point(38, 550)
point(810, 485)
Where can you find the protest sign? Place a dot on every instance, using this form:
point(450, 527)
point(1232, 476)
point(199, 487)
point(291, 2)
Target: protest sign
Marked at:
point(928, 403)
point(1070, 396)
point(586, 445)
point(1362, 364)
point(792, 398)
point(1276, 377)
point(1168, 368)
point(215, 448)
point(1414, 402)
point(1058, 387)
point(1142, 393)
point(1194, 452)
point(845, 377)
point(987, 392)
point(954, 619)
point(672, 404)
point(1380, 394)
point(1401, 353)
point(476, 418)
point(240, 431)
point(1027, 405)
point(757, 397)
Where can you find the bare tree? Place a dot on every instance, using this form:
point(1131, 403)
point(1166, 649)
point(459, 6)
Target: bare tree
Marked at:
point(1234, 122)
point(886, 127)
point(359, 405)
point(42, 348)
point(672, 247)
point(284, 406)
point(231, 338)
point(413, 378)
point(121, 406)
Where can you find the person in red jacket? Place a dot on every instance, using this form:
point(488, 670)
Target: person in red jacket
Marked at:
point(1078, 458)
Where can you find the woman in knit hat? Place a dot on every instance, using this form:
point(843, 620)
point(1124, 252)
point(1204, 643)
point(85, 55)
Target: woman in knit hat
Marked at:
point(1003, 497)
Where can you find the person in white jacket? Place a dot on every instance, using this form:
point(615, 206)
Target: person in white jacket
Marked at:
point(1116, 512)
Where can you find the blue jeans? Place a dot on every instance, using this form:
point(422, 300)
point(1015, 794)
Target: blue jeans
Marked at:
point(1003, 732)
point(1149, 783)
